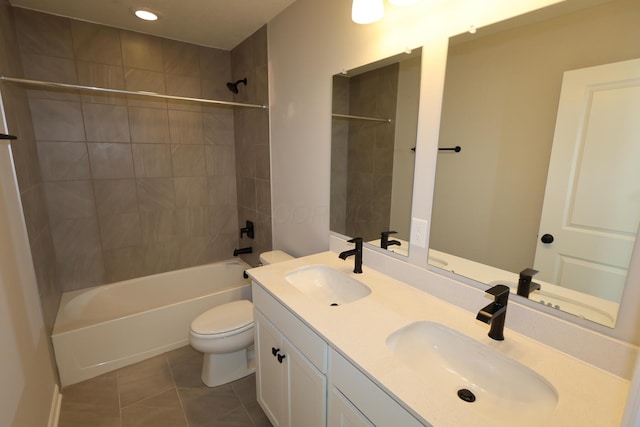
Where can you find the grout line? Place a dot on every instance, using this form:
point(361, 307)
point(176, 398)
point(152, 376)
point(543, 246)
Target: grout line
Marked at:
point(243, 405)
point(175, 386)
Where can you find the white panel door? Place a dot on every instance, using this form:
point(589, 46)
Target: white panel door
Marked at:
point(592, 198)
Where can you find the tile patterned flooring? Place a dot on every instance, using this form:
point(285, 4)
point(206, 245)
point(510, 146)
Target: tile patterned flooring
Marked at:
point(164, 391)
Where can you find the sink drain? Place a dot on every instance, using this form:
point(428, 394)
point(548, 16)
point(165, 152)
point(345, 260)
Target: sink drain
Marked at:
point(334, 304)
point(466, 395)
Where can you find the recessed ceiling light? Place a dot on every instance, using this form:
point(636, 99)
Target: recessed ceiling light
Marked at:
point(147, 15)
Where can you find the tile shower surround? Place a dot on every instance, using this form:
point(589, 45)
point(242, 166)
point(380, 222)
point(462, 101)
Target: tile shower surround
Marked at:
point(136, 186)
point(27, 169)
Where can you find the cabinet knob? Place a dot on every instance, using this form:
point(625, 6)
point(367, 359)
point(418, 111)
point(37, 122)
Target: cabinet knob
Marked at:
point(274, 350)
point(281, 357)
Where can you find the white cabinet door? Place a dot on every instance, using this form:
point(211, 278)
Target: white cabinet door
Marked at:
point(342, 413)
point(306, 390)
point(290, 389)
point(270, 376)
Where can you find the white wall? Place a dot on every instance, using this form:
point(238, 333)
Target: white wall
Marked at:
point(27, 383)
point(311, 41)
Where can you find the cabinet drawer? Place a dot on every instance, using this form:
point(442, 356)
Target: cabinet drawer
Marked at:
point(366, 396)
point(299, 334)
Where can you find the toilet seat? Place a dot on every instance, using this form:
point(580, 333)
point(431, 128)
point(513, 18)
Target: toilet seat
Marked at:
point(224, 320)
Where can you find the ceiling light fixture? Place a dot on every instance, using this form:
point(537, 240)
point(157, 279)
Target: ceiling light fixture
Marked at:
point(367, 11)
point(146, 15)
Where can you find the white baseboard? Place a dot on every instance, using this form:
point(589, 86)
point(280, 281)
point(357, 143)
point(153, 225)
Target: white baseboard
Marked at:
point(56, 403)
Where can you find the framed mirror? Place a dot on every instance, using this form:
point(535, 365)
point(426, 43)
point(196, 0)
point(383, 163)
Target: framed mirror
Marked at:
point(374, 125)
point(545, 109)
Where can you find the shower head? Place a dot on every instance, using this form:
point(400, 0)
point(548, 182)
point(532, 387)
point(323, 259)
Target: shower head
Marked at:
point(233, 87)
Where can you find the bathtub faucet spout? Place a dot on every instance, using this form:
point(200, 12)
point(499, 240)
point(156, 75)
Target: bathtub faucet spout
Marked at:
point(240, 251)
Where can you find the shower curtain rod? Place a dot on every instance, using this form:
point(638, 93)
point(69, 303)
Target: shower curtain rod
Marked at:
point(125, 92)
point(349, 116)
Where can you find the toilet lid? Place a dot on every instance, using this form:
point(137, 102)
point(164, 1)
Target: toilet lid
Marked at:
point(224, 318)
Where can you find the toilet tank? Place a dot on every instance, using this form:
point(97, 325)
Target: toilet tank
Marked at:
point(271, 257)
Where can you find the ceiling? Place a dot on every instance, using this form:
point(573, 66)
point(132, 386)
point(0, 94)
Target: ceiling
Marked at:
point(221, 24)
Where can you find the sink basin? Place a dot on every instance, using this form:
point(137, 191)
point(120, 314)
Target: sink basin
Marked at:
point(327, 286)
point(505, 391)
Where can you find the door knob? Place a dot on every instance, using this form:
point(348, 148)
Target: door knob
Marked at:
point(547, 238)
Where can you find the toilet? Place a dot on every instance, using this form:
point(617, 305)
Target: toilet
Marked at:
point(225, 335)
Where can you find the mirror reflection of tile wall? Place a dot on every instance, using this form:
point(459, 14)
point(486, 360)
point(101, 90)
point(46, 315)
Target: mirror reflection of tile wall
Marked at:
point(362, 156)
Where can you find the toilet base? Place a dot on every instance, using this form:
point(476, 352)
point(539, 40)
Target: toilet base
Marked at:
point(219, 369)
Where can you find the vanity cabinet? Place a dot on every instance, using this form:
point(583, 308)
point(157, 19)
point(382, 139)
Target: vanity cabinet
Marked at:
point(297, 372)
point(357, 401)
point(291, 366)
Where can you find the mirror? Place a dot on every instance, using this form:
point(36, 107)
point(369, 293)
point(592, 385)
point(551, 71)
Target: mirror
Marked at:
point(502, 105)
point(373, 138)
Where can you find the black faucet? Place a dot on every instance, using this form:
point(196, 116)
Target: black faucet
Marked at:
point(384, 239)
point(357, 251)
point(495, 313)
point(237, 252)
point(525, 285)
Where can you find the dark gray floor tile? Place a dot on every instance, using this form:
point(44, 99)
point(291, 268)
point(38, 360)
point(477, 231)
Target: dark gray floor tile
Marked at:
point(92, 402)
point(257, 415)
point(162, 391)
point(235, 418)
point(204, 406)
point(79, 418)
point(186, 366)
point(161, 410)
point(245, 388)
point(145, 379)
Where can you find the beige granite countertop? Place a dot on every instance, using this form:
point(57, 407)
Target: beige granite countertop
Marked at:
point(586, 395)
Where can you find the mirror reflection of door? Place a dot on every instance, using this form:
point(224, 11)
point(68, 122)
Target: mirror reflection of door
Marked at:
point(592, 198)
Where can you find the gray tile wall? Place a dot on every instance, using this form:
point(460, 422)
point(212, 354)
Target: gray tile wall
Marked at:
point(30, 182)
point(137, 186)
point(249, 59)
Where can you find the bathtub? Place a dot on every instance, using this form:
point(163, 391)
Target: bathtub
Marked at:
point(104, 328)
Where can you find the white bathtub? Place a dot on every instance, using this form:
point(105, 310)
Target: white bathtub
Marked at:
point(104, 328)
